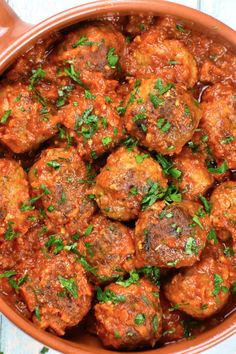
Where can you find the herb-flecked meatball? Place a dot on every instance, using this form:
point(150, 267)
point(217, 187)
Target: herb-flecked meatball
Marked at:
point(14, 191)
point(170, 235)
point(223, 214)
point(161, 115)
point(124, 184)
point(195, 179)
point(108, 247)
point(149, 55)
point(57, 293)
point(95, 48)
point(26, 115)
point(129, 317)
point(59, 180)
point(93, 122)
point(202, 290)
point(218, 120)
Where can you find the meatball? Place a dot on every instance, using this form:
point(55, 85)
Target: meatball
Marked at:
point(108, 247)
point(195, 178)
point(57, 293)
point(202, 290)
point(223, 214)
point(129, 317)
point(123, 184)
point(59, 180)
point(148, 55)
point(14, 191)
point(26, 116)
point(170, 236)
point(162, 116)
point(218, 119)
point(96, 48)
point(93, 123)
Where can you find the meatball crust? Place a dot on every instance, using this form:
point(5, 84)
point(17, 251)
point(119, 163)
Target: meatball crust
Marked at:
point(14, 191)
point(95, 48)
point(219, 121)
point(26, 122)
point(57, 292)
point(108, 247)
point(223, 213)
point(149, 55)
point(202, 290)
point(132, 321)
point(162, 116)
point(124, 181)
point(93, 123)
point(59, 178)
point(168, 236)
point(195, 178)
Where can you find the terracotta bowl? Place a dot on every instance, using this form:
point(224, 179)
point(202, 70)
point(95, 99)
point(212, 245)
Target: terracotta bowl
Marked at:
point(16, 37)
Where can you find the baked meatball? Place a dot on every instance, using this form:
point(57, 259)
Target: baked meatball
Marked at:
point(26, 116)
point(218, 120)
point(93, 123)
point(223, 214)
point(170, 236)
point(195, 178)
point(129, 317)
point(14, 191)
point(59, 180)
point(202, 290)
point(96, 48)
point(162, 116)
point(148, 55)
point(108, 247)
point(123, 184)
point(57, 293)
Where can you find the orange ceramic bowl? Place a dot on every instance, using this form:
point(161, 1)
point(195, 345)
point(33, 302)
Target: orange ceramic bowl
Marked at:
point(15, 37)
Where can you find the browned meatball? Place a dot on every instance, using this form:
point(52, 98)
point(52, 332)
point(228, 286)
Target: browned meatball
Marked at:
point(108, 247)
point(129, 317)
point(218, 120)
point(25, 115)
point(57, 292)
point(96, 47)
point(59, 180)
point(162, 116)
point(93, 123)
point(148, 55)
point(14, 191)
point(223, 214)
point(195, 178)
point(170, 236)
point(202, 290)
point(124, 182)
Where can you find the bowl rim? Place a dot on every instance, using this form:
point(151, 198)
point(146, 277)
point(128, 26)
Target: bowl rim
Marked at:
point(64, 19)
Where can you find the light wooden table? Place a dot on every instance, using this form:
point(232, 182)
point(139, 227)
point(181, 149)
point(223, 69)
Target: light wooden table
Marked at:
point(13, 340)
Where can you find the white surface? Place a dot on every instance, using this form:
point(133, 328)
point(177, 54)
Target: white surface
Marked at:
point(12, 340)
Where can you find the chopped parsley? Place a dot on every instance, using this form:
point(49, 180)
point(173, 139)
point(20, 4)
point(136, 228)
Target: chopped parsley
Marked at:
point(221, 169)
point(83, 41)
point(88, 230)
point(70, 285)
point(133, 279)
point(140, 319)
point(227, 140)
point(140, 158)
point(133, 190)
point(154, 192)
point(167, 166)
point(63, 92)
point(163, 124)
point(180, 28)
point(151, 272)
point(37, 313)
point(10, 233)
point(161, 89)
point(190, 246)
point(36, 77)
point(173, 62)
point(5, 116)
point(7, 274)
point(212, 236)
point(156, 101)
point(88, 94)
point(74, 75)
point(155, 323)
point(112, 58)
point(109, 296)
point(54, 164)
point(107, 140)
point(44, 350)
point(207, 205)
